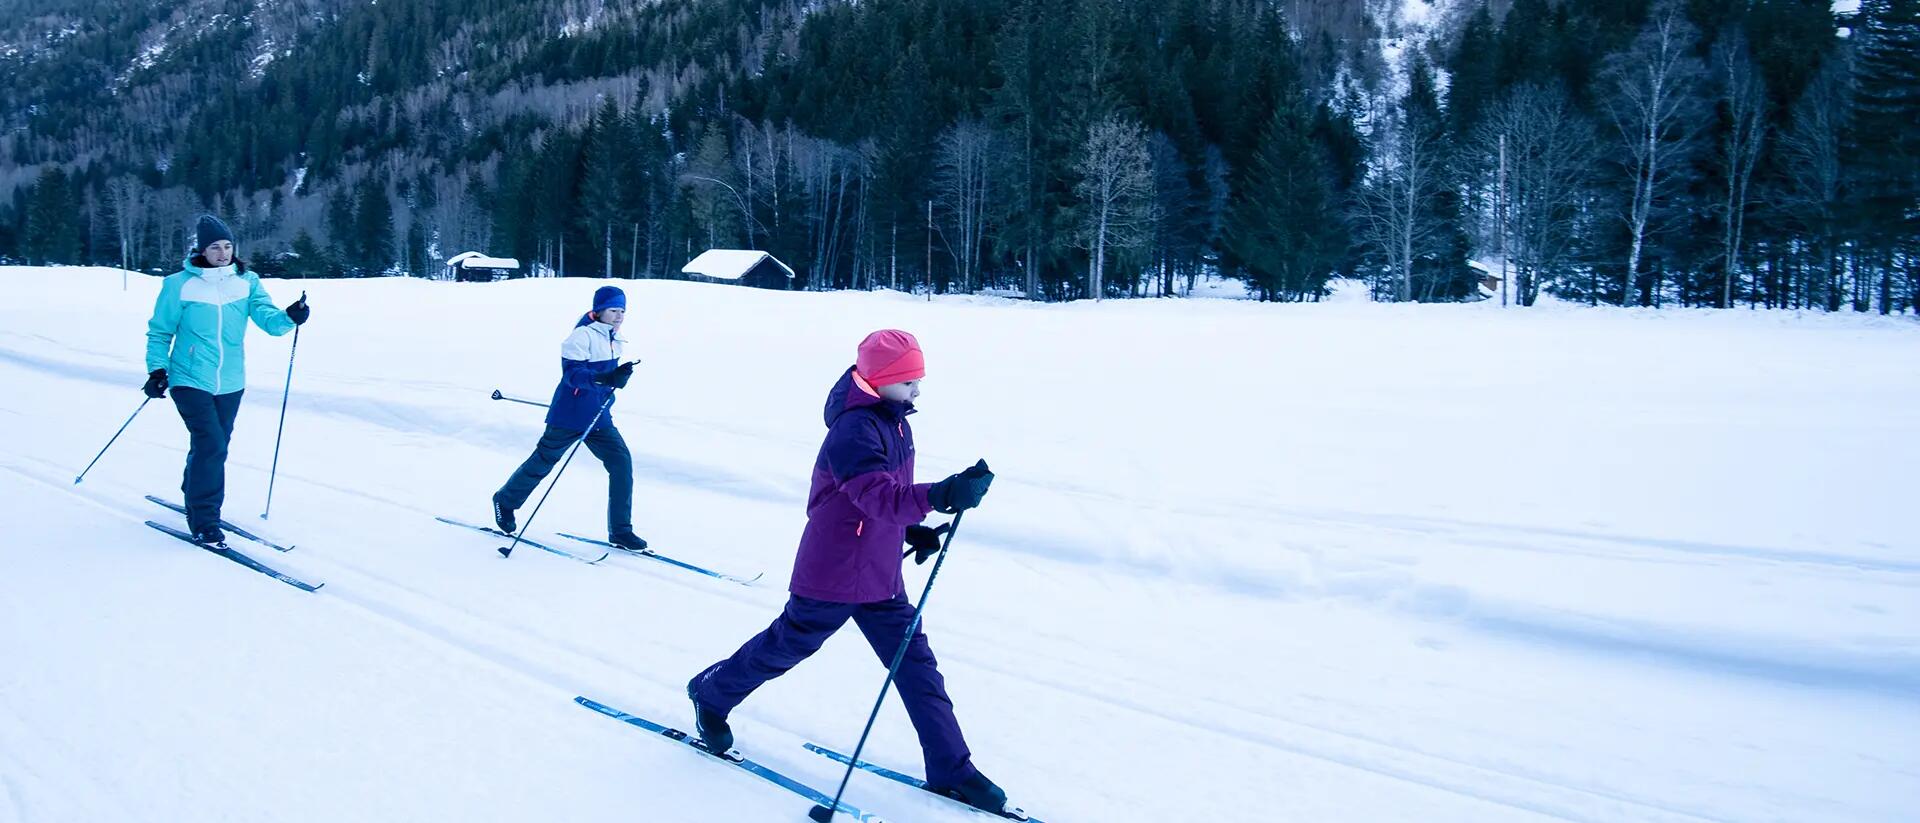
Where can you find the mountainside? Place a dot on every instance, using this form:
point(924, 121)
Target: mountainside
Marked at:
point(1055, 148)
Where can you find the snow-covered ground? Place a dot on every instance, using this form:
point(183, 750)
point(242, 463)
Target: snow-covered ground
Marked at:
point(1243, 562)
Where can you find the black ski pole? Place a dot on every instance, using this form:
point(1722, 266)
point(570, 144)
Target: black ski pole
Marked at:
point(275, 472)
point(116, 436)
point(498, 396)
point(823, 814)
point(507, 551)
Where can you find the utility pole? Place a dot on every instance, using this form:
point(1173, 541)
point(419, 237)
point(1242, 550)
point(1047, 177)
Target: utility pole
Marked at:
point(1500, 214)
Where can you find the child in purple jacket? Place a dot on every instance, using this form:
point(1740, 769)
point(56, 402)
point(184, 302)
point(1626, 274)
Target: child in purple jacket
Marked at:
point(863, 506)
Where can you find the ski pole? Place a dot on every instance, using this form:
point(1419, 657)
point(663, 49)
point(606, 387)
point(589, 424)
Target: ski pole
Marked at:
point(507, 551)
point(498, 396)
point(823, 814)
point(275, 472)
point(116, 436)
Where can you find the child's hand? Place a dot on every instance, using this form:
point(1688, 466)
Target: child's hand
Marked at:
point(924, 542)
point(961, 491)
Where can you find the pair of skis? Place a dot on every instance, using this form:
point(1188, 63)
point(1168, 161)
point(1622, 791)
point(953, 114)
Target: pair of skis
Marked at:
point(590, 559)
point(223, 550)
point(733, 758)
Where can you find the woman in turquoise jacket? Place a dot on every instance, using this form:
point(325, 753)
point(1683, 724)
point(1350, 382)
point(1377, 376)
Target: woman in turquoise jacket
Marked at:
point(195, 346)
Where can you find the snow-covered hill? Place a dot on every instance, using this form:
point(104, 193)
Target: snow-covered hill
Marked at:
point(1243, 562)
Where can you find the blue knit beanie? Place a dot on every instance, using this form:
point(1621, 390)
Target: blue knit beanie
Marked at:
point(609, 297)
point(212, 231)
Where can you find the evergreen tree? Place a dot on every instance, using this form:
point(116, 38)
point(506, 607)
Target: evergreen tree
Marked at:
point(1475, 77)
point(308, 258)
point(53, 225)
point(1281, 230)
point(373, 227)
point(602, 206)
point(1886, 144)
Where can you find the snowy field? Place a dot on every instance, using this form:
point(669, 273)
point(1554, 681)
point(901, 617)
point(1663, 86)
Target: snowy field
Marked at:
point(1243, 562)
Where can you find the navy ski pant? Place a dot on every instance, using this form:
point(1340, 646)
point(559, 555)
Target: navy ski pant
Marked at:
point(800, 631)
point(209, 419)
point(605, 443)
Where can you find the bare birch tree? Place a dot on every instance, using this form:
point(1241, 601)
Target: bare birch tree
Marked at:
point(1652, 90)
point(1744, 95)
point(128, 198)
point(1551, 151)
point(1116, 193)
point(1812, 148)
point(965, 159)
point(1395, 205)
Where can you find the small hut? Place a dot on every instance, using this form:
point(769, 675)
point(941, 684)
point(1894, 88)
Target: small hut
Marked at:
point(754, 268)
point(474, 267)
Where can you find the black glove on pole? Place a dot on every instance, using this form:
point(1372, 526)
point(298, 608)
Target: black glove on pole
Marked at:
point(156, 386)
point(616, 377)
point(961, 491)
point(299, 311)
point(924, 541)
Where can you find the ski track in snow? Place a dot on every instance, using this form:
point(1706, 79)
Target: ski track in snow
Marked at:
point(438, 621)
point(1871, 669)
point(446, 594)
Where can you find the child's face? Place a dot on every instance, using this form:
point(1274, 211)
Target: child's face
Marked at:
point(612, 317)
point(901, 392)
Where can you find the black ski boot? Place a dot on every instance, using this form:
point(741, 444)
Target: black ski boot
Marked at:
point(715, 735)
point(979, 792)
point(629, 541)
point(503, 516)
point(210, 536)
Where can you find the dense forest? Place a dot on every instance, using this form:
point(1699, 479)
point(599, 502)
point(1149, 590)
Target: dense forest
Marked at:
point(1634, 152)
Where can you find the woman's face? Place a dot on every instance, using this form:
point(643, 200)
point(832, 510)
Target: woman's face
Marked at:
point(219, 253)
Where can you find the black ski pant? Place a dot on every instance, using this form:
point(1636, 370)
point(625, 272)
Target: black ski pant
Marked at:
point(605, 443)
point(804, 627)
point(209, 419)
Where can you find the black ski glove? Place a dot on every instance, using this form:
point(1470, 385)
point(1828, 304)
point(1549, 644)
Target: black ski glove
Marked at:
point(156, 386)
point(616, 377)
point(298, 312)
point(961, 491)
point(924, 542)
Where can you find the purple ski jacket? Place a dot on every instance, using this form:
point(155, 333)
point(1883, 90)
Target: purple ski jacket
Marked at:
point(862, 501)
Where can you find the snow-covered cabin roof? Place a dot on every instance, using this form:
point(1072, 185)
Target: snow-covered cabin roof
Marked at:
point(730, 264)
point(476, 260)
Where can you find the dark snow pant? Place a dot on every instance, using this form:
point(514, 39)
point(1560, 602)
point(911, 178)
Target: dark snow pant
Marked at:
point(606, 444)
point(209, 419)
point(800, 631)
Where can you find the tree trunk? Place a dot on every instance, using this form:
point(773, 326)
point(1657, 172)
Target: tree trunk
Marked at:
point(1886, 283)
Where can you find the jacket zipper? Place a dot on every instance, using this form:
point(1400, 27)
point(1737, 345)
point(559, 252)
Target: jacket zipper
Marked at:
point(219, 344)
